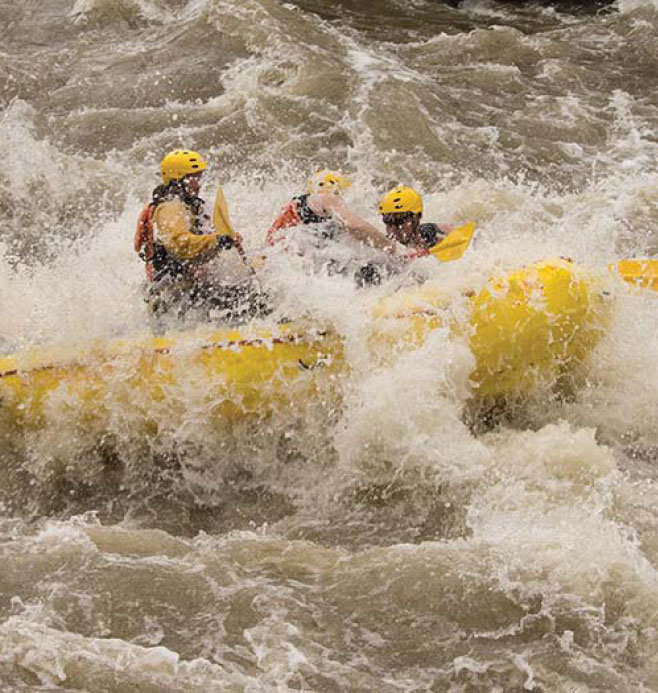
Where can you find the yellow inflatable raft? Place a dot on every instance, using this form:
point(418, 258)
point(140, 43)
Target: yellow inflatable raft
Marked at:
point(525, 329)
point(528, 327)
point(242, 372)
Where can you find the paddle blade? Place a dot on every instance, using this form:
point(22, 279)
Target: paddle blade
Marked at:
point(455, 244)
point(220, 217)
point(222, 224)
point(641, 273)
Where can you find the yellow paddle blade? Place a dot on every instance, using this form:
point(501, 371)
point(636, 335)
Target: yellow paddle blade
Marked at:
point(222, 223)
point(455, 244)
point(220, 218)
point(641, 273)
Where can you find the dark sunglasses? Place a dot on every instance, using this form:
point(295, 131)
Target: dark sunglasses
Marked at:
point(399, 219)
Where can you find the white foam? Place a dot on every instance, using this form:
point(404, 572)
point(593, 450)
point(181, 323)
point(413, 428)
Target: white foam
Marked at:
point(627, 6)
point(56, 658)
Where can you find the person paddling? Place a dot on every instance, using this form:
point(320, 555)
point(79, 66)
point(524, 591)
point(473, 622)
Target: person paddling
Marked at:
point(178, 240)
point(402, 209)
point(324, 211)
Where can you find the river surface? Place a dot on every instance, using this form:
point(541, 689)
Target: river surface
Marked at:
point(395, 543)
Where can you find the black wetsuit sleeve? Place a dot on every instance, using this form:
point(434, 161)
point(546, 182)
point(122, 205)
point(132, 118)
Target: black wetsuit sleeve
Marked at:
point(431, 234)
point(225, 243)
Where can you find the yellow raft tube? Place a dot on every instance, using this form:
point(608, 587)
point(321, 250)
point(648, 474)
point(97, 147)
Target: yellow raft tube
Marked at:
point(526, 328)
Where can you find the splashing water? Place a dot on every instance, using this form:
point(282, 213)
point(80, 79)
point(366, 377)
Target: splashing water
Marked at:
point(380, 540)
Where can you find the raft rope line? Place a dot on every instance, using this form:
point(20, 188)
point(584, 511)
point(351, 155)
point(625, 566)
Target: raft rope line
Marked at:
point(228, 344)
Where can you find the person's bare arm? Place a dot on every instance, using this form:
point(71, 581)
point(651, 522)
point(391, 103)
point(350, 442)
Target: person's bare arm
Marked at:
point(360, 229)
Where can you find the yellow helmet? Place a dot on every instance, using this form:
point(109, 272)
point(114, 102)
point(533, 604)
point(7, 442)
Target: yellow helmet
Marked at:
point(328, 181)
point(401, 199)
point(181, 163)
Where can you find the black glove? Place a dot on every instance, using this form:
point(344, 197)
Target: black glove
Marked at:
point(368, 275)
point(225, 243)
